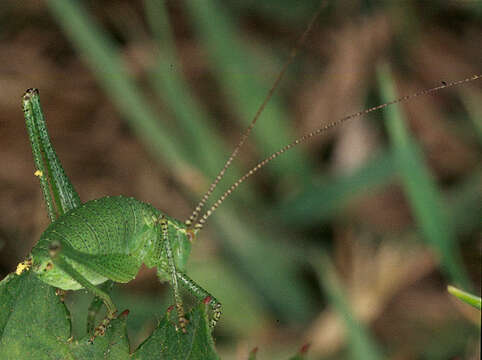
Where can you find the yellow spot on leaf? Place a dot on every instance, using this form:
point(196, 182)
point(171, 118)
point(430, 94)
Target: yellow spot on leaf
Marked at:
point(38, 173)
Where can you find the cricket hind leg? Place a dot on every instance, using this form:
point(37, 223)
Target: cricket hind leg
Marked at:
point(164, 228)
point(59, 193)
point(58, 259)
point(96, 305)
point(203, 296)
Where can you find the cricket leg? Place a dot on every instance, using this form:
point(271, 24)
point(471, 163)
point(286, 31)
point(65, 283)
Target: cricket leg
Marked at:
point(96, 305)
point(203, 296)
point(59, 194)
point(58, 259)
point(163, 223)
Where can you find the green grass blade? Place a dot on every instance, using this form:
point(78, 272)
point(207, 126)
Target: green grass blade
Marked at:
point(173, 89)
point(361, 344)
point(241, 85)
point(268, 266)
point(321, 201)
point(419, 186)
point(466, 297)
point(105, 61)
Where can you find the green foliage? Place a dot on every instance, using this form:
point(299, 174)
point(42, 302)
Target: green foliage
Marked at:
point(35, 324)
point(33, 321)
point(466, 297)
point(172, 344)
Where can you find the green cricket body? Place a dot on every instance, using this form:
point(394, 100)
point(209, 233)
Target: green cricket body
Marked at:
point(119, 233)
point(102, 240)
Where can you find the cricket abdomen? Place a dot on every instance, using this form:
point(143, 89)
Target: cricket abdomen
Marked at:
point(107, 238)
point(103, 226)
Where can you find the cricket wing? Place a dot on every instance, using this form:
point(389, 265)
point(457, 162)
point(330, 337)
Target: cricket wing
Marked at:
point(117, 267)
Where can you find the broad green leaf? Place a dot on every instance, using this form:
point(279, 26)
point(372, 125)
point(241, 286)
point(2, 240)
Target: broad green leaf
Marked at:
point(114, 345)
point(34, 324)
point(168, 343)
point(33, 320)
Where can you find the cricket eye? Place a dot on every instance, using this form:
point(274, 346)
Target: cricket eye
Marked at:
point(49, 266)
point(54, 248)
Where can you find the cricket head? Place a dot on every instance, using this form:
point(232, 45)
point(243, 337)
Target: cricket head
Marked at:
point(42, 256)
point(42, 264)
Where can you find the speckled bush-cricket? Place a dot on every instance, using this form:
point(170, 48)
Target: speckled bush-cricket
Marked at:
point(110, 238)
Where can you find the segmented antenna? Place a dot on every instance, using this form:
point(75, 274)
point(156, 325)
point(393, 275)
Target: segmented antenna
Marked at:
point(319, 131)
point(245, 135)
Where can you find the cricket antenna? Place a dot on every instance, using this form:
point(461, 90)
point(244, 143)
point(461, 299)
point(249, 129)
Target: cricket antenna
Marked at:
point(245, 135)
point(321, 130)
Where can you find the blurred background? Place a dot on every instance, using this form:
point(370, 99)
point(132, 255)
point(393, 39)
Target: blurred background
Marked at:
point(347, 242)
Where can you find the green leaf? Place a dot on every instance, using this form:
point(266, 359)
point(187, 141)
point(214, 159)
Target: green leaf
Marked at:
point(113, 345)
point(34, 324)
point(168, 343)
point(466, 297)
point(33, 321)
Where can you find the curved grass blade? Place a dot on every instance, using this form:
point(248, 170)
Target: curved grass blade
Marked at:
point(321, 201)
point(466, 297)
point(105, 61)
point(420, 188)
point(361, 344)
point(197, 131)
point(242, 87)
